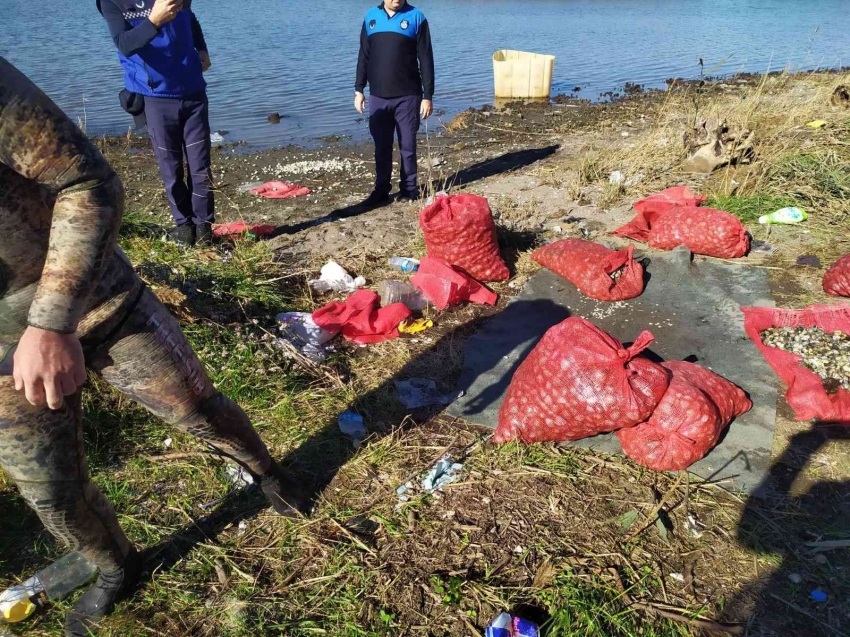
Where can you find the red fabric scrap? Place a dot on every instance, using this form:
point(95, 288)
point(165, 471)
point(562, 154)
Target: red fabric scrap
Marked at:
point(361, 318)
point(806, 394)
point(445, 285)
point(239, 228)
point(280, 190)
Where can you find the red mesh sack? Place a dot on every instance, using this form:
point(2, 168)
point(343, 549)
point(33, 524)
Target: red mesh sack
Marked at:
point(579, 382)
point(714, 233)
point(459, 230)
point(687, 422)
point(675, 197)
point(805, 394)
point(588, 266)
point(836, 281)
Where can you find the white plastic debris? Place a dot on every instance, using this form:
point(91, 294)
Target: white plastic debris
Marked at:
point(444, 472)
point(430, 199)
point(677, 577)
point(248, 187)
point(299, 330)
point(352, 424)
point(334, 277)
point(695, 528)
point(795, 578)
point(216, 138)
point(167, 443)
point(422, 392)
point(237, 476)
point(616, 178)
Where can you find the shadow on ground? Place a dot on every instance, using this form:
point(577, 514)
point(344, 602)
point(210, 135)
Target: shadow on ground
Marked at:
point(790, 519)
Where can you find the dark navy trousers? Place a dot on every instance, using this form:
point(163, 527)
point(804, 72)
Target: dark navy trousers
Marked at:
point(178, 127)
point(388, 117)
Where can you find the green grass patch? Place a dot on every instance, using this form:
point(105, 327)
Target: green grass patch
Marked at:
point(749, 208)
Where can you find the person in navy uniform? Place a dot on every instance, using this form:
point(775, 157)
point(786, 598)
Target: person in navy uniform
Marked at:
point(397, 62)
point(164, 55)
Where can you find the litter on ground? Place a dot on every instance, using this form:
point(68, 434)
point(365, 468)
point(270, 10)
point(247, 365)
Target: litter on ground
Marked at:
point(333, 277)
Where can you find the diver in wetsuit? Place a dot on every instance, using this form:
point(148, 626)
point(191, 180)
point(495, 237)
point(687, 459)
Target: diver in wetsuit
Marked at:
point(70, 301)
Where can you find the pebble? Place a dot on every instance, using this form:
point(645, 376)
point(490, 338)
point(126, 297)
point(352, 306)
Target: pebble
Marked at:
point(795, 578)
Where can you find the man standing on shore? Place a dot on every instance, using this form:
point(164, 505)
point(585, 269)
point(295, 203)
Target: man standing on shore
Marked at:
point(164, 55)
point(397, 62)
point(70, 301)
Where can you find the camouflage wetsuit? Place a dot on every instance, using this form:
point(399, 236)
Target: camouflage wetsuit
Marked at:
point(60, 270)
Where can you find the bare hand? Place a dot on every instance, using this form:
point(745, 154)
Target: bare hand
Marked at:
point(205, 61)
point(359, 102)
point(426, 108)
point(48, 366)
point(165, 11)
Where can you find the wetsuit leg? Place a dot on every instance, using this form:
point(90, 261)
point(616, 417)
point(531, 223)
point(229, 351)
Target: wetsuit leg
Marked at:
point(42, 451)
point(382, 127)
point(196, 133)
point(407, 126)
point(165, 127)
point(150, 360)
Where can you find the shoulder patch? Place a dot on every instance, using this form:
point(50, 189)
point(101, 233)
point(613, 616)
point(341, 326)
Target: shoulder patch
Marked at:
point(372, 24)
point(405, 24)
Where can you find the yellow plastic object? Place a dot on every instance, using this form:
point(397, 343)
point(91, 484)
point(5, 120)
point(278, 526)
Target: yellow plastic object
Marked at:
point(17, 611)
point(414, 327)
point(522, 75)
point(818, 123)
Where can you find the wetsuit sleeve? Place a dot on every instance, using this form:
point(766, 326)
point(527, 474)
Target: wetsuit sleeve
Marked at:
point(198, 35)
point(129, 40)
point(362, 61)
point(426, 59)
point(39, 142)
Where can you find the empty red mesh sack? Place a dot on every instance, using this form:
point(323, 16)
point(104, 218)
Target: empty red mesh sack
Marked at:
point(836, 281)
point(589, 267)
point(459, 230)
point(444, 285)
point(688, 421)
point(240, 228)
point(579, 382)
point(280, 190)
point(805, 394)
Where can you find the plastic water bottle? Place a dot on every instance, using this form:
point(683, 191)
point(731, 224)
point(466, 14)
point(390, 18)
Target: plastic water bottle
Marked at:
point(788, 215)
point(398, 292)
point(53, 583)
point(404, 264)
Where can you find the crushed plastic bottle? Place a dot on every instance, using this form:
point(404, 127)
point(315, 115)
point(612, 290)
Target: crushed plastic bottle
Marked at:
point(405, 264)
point(50, 584)
point(398, 292)
point(789, 215)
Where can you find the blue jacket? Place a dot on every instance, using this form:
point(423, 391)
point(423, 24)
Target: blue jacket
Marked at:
point(160, 62)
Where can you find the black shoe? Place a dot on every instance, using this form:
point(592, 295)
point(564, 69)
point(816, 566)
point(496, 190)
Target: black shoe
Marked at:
point(284, 494)
point(183, 235)
point(204, 235)
point(406, 197)
point(375, 200)
point(100, 599)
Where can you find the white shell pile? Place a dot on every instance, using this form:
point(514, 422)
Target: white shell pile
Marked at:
point(827, 355)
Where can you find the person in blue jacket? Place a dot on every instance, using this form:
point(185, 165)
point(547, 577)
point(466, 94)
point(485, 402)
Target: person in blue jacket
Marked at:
point(397, 62)
point(164, 55)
